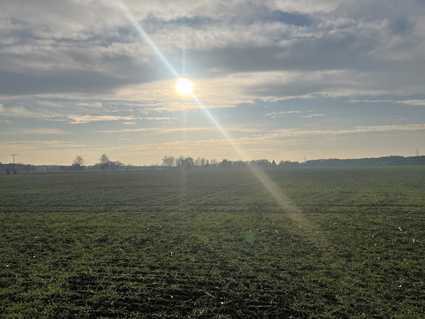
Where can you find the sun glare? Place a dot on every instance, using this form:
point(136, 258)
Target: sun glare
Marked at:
point(184, 87)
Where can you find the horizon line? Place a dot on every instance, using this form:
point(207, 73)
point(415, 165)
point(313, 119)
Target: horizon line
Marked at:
point(218, 161)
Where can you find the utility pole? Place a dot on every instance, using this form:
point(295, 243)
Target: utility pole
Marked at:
point(14, 163)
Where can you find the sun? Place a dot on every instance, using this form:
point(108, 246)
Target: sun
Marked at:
point(184, 87)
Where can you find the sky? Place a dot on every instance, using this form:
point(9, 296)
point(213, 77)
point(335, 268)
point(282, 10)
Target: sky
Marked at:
point(286, 79)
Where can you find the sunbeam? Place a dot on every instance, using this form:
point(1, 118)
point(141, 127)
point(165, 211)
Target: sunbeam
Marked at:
point(121, 5)
point(292, 211)
point(212, 159)
point(271, 187)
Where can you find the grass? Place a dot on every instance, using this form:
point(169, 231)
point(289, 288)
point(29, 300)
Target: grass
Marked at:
point(213, 244)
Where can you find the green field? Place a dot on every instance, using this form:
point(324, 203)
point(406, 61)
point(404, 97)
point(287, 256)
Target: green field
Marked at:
point(213, 244)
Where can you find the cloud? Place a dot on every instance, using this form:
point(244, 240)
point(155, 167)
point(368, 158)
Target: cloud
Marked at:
point(47, 51)
point(259, 136)
point(291, 18)
point(279, 114)
point(157, 118)
point(43, 131)
point(247, 136)
point(173, 130)
point(86, 119)
point(291, 113)
point(255, 142)
point(56, 81)
point(313, 115)
point(25, 112)
point(413, 102)
point(349, 63)
point(280, 133)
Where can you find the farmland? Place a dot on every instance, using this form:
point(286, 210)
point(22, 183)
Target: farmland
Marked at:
point(213, 244)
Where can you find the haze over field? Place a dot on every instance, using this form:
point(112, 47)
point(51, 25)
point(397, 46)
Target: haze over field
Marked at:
point(286, 79)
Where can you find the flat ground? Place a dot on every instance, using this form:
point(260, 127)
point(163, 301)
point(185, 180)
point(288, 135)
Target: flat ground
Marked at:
point(213, 244)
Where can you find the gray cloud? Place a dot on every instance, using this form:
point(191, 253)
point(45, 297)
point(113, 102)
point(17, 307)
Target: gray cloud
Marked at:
point(51, 47)
point(54, 81)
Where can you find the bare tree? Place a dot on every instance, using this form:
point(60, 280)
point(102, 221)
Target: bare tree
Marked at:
point(168, 161)
point(185, 162)
point(104, 160)
point(78, 161)
point(106, 163)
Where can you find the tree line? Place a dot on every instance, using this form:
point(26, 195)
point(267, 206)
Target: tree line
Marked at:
point(104, 163)
point(189, 162)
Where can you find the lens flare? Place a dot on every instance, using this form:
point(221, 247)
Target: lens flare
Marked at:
point(185, 88)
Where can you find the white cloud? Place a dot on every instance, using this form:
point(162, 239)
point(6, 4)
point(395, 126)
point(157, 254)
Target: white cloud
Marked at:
point(44, 131)
point(157, 118)
point(86, 119)
point(25, 112)
point(355, 130)
point(413, 102)
point(313, 115)
point(276, 115)
point(173, 130)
